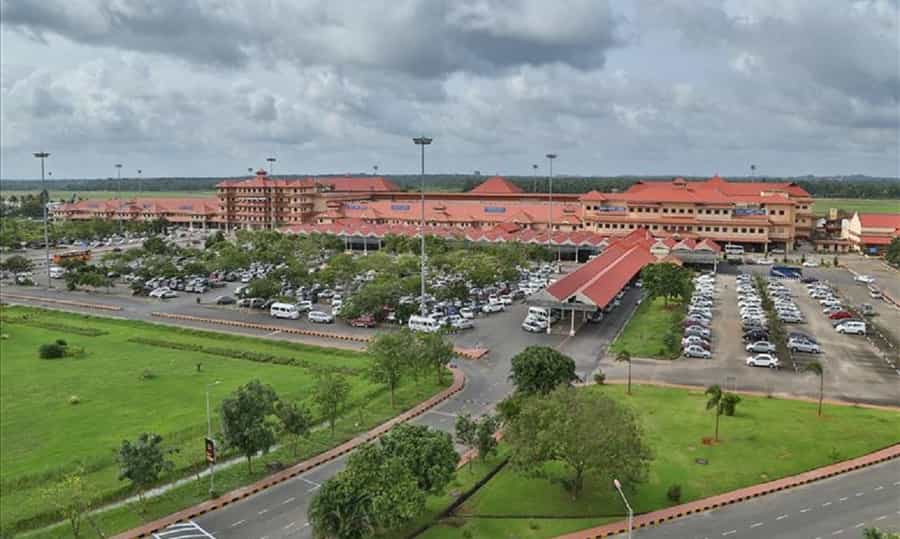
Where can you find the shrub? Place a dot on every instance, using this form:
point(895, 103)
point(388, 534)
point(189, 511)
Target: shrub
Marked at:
point(62, 342)
point(51, 351)
point(74, 399)
point(467, 534)
point(729, 401)
point(674, 493)
point(147, 374)
point(599, 377)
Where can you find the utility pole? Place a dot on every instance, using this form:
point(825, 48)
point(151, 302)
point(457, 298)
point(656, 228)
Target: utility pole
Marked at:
point(45, 199)
point(140, 183)
point(618, 486)
point(119, 187)
point(422, 141)
point(534, 179)
point(271, 161)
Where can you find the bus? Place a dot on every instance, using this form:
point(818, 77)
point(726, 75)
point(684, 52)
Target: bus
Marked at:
point(786, 272)
point(83, 255)
point(734, 252)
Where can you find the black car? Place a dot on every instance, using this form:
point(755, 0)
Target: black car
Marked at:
point(802, 336)
point(756, 335)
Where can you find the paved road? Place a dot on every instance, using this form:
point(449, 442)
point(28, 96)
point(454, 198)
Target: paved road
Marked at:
point(838, 507)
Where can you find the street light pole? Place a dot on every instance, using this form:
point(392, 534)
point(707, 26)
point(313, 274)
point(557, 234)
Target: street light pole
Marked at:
point(550, 158)
point(44, 201)
point(422, 141)
point(140, 183)
point(119, 187)
point(534, 178)
point(618, 486)
point(271, 161)
point(212, 465)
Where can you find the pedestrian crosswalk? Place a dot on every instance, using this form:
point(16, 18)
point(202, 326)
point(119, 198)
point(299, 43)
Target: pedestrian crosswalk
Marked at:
point(183, 530)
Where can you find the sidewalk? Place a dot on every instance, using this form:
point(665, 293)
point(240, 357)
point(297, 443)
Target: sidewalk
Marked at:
point(706, 504)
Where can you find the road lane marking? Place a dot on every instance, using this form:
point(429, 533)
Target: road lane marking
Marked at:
point(879, 487)
point(860, 525)
point(882, 517)
point(287, 501)
point(844, 499)
point(805, 510)
point(826, 504)
point(262, 512)
point(781, 517)
point(837, 532)
point(858, 494)
point(289, 526)
point(729, 532)
point(438, 412)
point(305, 480)
point(238, 523)
point(756, 525)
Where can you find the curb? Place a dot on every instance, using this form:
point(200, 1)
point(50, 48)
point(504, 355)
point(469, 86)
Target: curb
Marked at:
point(236, 495)
point(713, 502)
point(463, 352)
point(64, 302)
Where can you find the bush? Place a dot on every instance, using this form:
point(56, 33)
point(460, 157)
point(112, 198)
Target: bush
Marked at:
point(147, 374)
point(74, 399)
point(599, 378)
point(729, 401)
point(674, 493)
point(62, 342)
point(51, 351)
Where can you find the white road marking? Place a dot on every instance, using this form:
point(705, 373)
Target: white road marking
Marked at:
point(273, 333)
point(729, 532)
point(860, 525)
point(858, 494)
point(781, 517)
point(238, 523)
point(826, 504)
point(307, 481)
point(805, 510)
point(879, 487)
point(305, 524)
point(844, 499)
point(287, 501)
point(882, 517)
point(438, 412)
point(756, 525)
point(837, 532)
point(289, 526)
point(262, 512)
point(897, 483)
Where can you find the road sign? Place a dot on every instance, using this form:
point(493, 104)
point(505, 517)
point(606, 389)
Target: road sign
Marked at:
point(210, 451)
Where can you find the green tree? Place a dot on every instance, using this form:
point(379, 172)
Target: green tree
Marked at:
point(16, 264)
point(477, 434)
point(71, 497)
point(426, 452)
point(729, 403)
point(391, 354)
point(143, 460)
point(892, 253)
point(715, 403)
point(666, 280)
point(875, 533)
point(585, 431)
point(262, 288)
point(816, 368)
point(245, 419)
point(435, 351)
point(156, 246)
point(296, 421)
point(626, 357)
point(539, 369)
point(332, 392)
point(214, 238)
point(342, 510)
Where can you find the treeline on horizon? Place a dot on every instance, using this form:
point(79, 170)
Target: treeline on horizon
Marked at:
point(825, 187)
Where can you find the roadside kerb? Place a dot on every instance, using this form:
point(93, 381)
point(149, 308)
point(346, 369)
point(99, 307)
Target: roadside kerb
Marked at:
point(64, 302)
point(735, 496)
point(464, 352)
point(297, 469)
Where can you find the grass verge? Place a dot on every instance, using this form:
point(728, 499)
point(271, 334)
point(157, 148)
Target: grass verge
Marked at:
point(645, 334)
point(821, 205)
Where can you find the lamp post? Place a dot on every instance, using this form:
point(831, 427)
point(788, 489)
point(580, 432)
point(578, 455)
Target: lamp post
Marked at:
point(618, 486)
point(212, 464)
point(119, 194)
point(422, 141)
point(375, 169)
point(140, 183)
point(534, 179)
point(271, 161)
point(44, 201)
point(550, 158)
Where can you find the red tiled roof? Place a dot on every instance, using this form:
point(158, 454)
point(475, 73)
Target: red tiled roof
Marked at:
point(875, 240)
point(376, 183)
point(880, 220)
point(592, 196)
point(339, 184)
point(497, 185)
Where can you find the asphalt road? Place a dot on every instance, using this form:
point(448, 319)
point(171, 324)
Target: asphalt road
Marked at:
point(838, 507)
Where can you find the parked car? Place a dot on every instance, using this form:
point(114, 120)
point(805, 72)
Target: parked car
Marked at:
point(865, 279)
point(458, 322)
point(763, 360)
point(802, 345)
point(856, 327)
point(840, 315)
point(492, 307)
point(695, 340)
point(697, 351)
point(320, 317)
point(364, 321)
point(810, 264)
point(761, 346)
point(163, 292)
point(533, 326)
point(225, 300)
point(697, 330)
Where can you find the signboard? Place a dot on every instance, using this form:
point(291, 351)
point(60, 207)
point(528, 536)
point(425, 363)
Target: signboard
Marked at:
point(494, 209)
point(210, 451)
point(355, 206)
point(400, 207)
point(748, 212)
point(610, 209)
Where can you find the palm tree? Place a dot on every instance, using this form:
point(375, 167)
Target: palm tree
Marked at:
point(816, 367)
point(715, 401)
point(625, 356)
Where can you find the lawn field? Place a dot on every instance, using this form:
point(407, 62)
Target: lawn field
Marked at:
point(644, 335)
point(865, 205)
point(42, 435)
point(91, 195)
point(765, 440)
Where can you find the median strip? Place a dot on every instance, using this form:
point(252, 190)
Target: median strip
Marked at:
point(41, 299)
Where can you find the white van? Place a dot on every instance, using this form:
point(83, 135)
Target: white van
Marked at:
point(57, 272)
point(852, 326)
point(284, 310)
point(424, 323)
point(538, 313)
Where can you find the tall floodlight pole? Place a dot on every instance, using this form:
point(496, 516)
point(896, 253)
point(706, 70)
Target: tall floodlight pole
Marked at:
point(534, 179)
point(422, 141)
point(550, 158)
point(753, 171)
point(119, 188)
point(44, 201)
point(140, 183)
point(618, 486)
point(375, 169)
point(271, 161)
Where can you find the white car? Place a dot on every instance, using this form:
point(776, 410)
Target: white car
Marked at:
point(492, 307)
point(763, 261)
point(506, 300)
point(761, 346)
point(865, 279)
point(855, 327)
point(467, 313)
point(458, 322)
point(763, 360)
point(532, 326)
point(697, 351)
point(320, 317)
point(304, 305)
point(810, 264)
point(163, 292)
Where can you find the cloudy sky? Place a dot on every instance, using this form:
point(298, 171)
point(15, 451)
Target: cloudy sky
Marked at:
point(212, 87)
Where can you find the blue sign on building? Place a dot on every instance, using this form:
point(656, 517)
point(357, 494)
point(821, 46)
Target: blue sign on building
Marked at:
point(400, 207)
point(610, 208)
point(747, 212)
point(494, 209)
point(355, 206)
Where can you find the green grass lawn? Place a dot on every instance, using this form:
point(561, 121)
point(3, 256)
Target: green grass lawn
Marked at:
point(42, 435)
point(644, 335)
point(91, 195)
point(821, 205)
point(765, 440)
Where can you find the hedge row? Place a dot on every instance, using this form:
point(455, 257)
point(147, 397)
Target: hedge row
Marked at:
point(54, 326)
point(243, 354)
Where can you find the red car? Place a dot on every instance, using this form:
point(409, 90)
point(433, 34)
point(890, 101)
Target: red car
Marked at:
point(840, 315)
point(364, 321)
